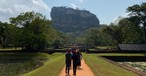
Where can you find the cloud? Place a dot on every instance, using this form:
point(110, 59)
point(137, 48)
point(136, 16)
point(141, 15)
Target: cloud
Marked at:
point(125, 15)
point(81, 1)
point(74, 5)
point(117, 19)
point(12, 8)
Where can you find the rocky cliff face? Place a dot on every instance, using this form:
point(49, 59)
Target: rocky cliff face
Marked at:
point(71, 20)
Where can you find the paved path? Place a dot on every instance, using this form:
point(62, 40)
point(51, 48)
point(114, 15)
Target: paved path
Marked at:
point(83, 71)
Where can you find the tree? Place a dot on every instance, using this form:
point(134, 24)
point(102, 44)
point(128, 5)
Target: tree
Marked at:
point(14, 35)
point(114, 31)
point(3, 34)
point(138, 15)
point(35, 30)
point(130, 31)
point(92, 37)
point(59, 40)
point(9, 35)
point(125, 31)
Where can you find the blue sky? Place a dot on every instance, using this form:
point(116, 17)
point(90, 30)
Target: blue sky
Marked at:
point(106, 10)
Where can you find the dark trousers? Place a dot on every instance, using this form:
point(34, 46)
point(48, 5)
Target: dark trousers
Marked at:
point(74, 69)
point(67, 69)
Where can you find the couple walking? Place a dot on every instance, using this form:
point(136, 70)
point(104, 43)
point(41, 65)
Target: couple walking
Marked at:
point(75, 56)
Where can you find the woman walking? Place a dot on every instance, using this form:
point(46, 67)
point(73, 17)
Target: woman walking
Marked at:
point(79, 55)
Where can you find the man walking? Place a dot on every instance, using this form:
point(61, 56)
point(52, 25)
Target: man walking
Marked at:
point(68, 61)
point(75, 62)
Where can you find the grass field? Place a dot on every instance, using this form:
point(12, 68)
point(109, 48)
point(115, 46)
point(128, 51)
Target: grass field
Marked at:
point(105, 47)
point(10, 49)
point(101, 48)
point(51, 67)
point(101, 67)
point(31, 64)
point(42, 64)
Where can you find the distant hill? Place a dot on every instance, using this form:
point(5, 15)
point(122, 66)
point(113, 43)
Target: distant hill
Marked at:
point(71, 20)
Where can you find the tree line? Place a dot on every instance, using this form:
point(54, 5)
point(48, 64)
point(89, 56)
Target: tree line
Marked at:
point(30, 31)
point(128, 30)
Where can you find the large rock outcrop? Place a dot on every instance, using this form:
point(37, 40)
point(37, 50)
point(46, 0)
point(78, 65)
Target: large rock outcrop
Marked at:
point(71, 20)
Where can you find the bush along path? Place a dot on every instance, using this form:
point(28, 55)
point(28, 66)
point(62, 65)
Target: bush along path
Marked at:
point(84, 70)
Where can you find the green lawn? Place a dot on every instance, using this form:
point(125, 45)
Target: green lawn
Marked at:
point(51, 67)
point(101, 67)
point(105, 47)
point(15, 64)
point(31, 64)
point(10, 49)
point(101, 48)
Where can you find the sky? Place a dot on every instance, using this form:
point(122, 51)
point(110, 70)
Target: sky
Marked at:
point(107, 11)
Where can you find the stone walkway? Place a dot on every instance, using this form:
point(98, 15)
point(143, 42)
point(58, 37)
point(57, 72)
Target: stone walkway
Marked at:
point(84, 70)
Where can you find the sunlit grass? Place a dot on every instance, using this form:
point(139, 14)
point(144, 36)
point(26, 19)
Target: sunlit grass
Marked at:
point(51, 67)
point(105, 47)
point(101, 67)
point(10, 49)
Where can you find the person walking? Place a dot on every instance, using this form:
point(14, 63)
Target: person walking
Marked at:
point(75, 62)
point(79, 55)
point(68, 61)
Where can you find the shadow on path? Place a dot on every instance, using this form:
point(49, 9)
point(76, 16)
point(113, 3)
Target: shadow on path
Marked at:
point(84, 70)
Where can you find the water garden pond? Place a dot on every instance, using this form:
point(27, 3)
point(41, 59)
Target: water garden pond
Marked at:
point(16, 64)
point(136, 62)
point(137, 65)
